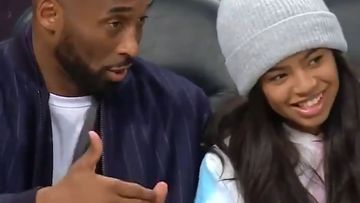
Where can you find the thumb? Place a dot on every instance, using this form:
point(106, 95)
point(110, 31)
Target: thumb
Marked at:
point(161, 190)
point(92, 155)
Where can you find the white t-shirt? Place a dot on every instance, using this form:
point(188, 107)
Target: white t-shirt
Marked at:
point(214, 187)
point(68, 115)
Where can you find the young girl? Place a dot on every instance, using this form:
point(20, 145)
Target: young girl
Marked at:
point(296, 138)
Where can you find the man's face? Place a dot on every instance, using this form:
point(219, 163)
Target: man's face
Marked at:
point(98, 40)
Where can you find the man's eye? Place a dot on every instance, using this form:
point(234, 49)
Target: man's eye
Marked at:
point(114, 24)
point(143, 19)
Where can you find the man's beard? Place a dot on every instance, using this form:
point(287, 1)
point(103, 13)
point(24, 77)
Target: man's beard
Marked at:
point(79, 71)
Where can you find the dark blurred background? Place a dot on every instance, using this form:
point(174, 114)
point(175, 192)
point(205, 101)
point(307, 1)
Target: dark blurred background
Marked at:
point(348, 12)
point(10, 10)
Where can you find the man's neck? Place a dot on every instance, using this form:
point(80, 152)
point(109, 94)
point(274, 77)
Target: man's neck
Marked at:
point(56, 79)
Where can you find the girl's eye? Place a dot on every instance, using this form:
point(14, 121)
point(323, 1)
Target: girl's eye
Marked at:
point(315, 60)
point(278, 77)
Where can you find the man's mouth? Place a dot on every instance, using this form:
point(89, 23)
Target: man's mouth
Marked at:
point(120, 68)
point(119, 71)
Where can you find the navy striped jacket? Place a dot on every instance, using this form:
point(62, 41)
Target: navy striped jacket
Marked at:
point(151, 127)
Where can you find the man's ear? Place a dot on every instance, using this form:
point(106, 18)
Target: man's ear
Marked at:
point(49, 14)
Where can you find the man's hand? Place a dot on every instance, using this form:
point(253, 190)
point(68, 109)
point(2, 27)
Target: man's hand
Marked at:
point(82, 184)
point(161, 190)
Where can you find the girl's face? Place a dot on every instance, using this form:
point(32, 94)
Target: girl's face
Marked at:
point(302, 88)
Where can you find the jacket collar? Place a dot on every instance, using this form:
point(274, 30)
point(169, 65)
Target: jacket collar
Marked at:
point(28, 67)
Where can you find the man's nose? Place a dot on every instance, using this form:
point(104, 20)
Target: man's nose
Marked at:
point(128, 43)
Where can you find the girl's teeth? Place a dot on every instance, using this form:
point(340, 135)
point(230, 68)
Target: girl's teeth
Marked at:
point(311, 102)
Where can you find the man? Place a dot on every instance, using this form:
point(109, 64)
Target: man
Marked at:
point(74, 71)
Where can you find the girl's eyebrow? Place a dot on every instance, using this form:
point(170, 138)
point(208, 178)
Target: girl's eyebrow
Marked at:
point(308, 54)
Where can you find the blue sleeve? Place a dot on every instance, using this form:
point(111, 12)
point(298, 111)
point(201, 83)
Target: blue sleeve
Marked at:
point(211, 189)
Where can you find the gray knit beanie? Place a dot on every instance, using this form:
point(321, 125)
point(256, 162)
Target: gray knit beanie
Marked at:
point(255, 35)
